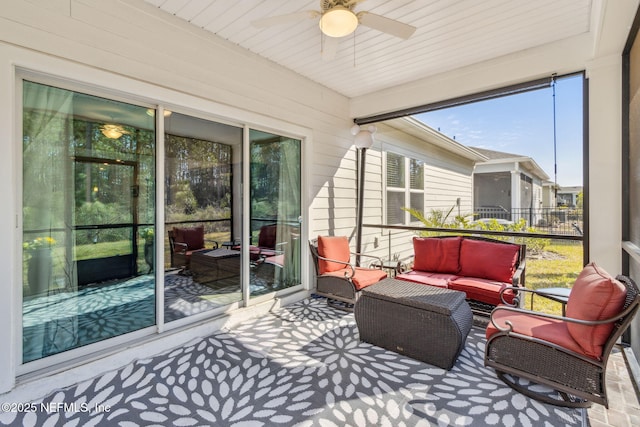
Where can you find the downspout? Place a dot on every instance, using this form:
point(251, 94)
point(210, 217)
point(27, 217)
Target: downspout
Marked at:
point(363, 139)
point(360, 202)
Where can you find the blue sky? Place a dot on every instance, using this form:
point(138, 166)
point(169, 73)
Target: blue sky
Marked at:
point(523, 124)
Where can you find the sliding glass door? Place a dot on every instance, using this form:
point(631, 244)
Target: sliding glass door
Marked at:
point(88, 186)
point(203, 201)
point(275, 190)
point(90, 268)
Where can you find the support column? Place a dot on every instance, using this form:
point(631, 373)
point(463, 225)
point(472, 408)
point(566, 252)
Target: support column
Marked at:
point(604, 181)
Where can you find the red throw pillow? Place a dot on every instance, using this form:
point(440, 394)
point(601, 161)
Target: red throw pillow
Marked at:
point(595, 295)
point(488, 260)
point(437, 255)
point(333, 247)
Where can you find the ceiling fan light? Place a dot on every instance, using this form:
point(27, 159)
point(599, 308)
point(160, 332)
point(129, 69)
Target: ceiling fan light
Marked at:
point(152, 112)
point(338, 22)
point(112, 131)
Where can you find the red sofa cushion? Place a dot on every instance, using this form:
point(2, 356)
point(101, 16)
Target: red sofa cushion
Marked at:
point(362, 278)
point(333, 247)
point(550, 330)
point(437, 255)
point(440, 280)
point(483, 290)
point(595, 295)
point(488, 260)
point(193, 237)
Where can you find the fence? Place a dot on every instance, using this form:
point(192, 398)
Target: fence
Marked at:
point(547, 220)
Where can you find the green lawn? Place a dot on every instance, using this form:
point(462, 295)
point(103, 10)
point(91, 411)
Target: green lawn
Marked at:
point(557, 267)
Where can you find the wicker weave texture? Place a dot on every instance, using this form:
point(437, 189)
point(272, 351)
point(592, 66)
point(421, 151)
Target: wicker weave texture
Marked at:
point(410, 325)
point(547, 363)
point(340, 287)
point(431, 298)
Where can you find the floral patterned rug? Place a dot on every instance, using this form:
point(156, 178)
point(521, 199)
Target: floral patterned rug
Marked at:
point(64, 320)
point(301, 365)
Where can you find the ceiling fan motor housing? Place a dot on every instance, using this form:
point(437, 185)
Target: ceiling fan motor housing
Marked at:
point(330, 4)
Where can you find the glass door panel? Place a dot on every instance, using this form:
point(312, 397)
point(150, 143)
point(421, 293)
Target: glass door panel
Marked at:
point(88, 191)
point(275, 212)
point(203, 202)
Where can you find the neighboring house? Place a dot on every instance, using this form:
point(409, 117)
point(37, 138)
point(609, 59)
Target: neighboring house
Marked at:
point(508, 186)
point(568, 196)
point(549, 199)
point(412, 165)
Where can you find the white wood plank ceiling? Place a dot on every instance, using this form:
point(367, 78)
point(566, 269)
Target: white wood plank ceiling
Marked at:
point(450, 34)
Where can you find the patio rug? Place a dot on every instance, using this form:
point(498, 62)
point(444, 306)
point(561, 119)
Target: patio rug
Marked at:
point(65, 320)
point(301, 365)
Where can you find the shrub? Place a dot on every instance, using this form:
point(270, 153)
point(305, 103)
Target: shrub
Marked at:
point(439, 219)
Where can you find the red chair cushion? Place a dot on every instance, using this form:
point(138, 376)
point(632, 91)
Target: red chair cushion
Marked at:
point(437, 255)
point(488, 260)
point(483, 290)
point(440, 280)
point(362, 278)
point(193, 237)
point(333, 247)
point(550, 330)
point(595, 295)
point(277, 260)
point(257, 253)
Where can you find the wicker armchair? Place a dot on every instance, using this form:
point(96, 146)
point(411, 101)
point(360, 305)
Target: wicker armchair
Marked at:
point(540, 347)
point(183, 242)
point(338, 279)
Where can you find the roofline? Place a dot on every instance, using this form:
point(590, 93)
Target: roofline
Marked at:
point(424, 132)
point(535, 168)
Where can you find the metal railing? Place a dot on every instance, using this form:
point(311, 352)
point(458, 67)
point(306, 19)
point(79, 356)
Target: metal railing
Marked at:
point(555, 221)
point(400, 249)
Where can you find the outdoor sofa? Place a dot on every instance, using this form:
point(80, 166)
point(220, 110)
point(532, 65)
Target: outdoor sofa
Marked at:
point(479, 267)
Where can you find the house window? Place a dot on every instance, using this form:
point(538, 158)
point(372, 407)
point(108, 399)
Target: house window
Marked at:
point(405, 187)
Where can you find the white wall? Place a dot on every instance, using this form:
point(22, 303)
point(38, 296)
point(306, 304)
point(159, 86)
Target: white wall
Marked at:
point(140, 52)
point(447, 176)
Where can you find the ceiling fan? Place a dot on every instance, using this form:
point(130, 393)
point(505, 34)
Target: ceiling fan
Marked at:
point(338, 19)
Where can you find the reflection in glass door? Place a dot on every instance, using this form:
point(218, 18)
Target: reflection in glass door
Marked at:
point(275, 188)
point(202, 215)
point(105, 182)
point(88, 194)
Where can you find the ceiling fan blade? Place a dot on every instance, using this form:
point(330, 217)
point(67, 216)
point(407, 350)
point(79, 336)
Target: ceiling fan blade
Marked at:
point(285, 19)
point(386, 25)
point(329, 47)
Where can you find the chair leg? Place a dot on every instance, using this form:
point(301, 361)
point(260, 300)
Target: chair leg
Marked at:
point(340, 305)
point(567, 401)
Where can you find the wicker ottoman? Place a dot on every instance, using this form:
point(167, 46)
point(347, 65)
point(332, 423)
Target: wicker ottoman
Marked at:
point(211, 267)
point(423, 322)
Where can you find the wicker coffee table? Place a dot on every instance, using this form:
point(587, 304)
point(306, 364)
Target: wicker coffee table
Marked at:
point(423, 322)
point(213, 266)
